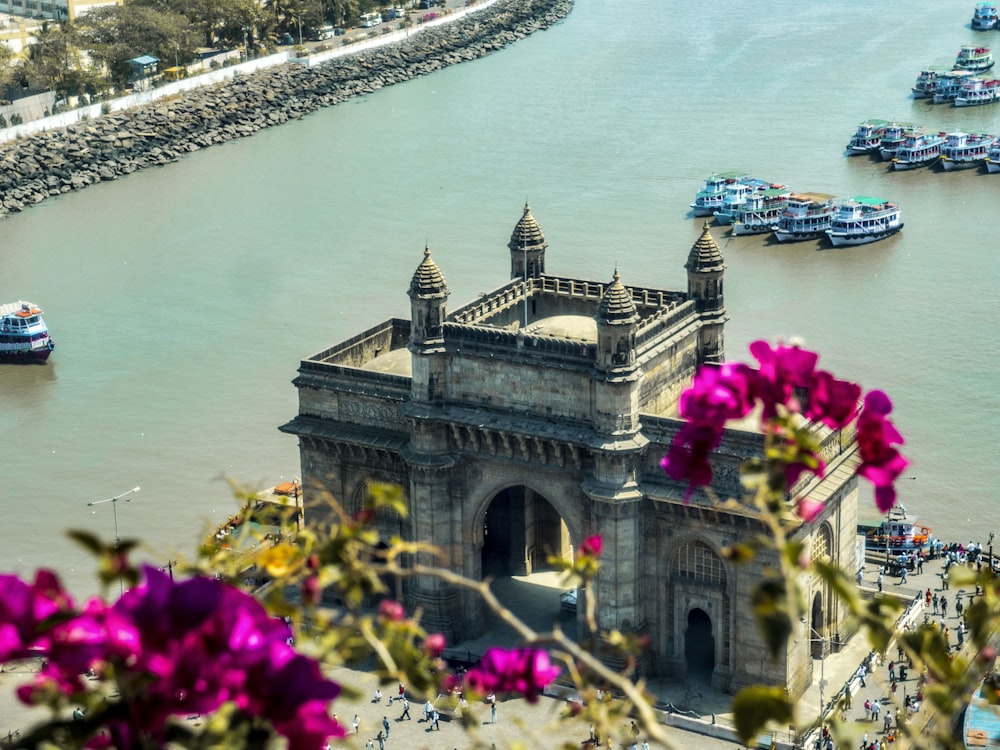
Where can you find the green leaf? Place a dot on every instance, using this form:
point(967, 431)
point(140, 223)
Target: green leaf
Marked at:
point(771, 611)
point(755, 706)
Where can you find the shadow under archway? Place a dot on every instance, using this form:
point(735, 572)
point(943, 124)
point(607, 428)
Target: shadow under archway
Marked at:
point(699, 645)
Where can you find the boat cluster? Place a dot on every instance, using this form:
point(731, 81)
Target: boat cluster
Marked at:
point(753, 206)
point(909, 146)
point(961, 88)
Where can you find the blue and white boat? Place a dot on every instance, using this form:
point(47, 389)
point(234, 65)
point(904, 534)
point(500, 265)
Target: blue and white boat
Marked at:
point(926, 83)
point(920, 149)
point(977, 91)
point(863, 219)
point(24, 337)
point(760, 212)
point(949, 85)
point(965, 150)
point(992, 159)
point(867, 138)
point(708, 200)
point(737, 195)
point(984, 16)
point(975, 58)
point(894, 137)
point(806, 217)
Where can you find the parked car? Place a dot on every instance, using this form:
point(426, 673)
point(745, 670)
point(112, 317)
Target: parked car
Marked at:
point(567, 601)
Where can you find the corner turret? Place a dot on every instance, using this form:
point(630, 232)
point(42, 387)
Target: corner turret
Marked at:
point(428, 305)
point(527, 248)
point(705, 269)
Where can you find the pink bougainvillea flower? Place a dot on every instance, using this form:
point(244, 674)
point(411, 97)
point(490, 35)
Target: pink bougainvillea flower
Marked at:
point(687, 460)
point(782, 370)
point(591, 546)
point(391, 610)
point(24, 608)
point(809, 510)
point(434, 644)
point(881, 462)
point(719, 394)
point(833, 402)
point(523, 670)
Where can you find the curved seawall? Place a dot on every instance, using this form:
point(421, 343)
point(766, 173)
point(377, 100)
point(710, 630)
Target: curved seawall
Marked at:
point(59, 161)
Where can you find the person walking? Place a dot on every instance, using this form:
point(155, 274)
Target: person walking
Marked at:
point(876, 708)
point(436, 720)
point(385, 726)
point(493, 709)
point(406, 710)
point(944, 607)
point(934, 601)
point(880, 580)
point(862, 671)
point(868, 710)
point(902, 574)
point(381, 741)
point(356, 724)
point(887, 722)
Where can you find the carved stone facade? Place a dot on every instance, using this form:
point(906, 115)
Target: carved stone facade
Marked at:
point(536, 416)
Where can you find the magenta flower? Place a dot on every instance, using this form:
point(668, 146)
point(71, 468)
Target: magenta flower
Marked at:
point(687, 460)
point(523, 670)
point(591, 546)
point(391, 611)
point(833, 402)
point(24, 608)
point(783, 369)
point(719, 394)
point(434, 644)
point(881, 462)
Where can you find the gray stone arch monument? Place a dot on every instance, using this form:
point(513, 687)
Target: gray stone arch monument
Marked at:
point(563, 388)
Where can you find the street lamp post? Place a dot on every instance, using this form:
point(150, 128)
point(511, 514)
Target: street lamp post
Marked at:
point(114, 508)
point(299, 19)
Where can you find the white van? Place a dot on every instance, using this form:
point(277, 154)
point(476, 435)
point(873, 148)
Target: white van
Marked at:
point(370, 19)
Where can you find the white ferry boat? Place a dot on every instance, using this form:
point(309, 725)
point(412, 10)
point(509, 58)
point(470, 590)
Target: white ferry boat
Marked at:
point(708, 200)
point(984, 16)
point(24, 336)
point(806, 217)
point(926, 83)
point(863, 219)
point(894, 136)
point(761, 210)
point(976, 91)
point(918, 150)
point(867, 138)
point(949, 85)
point(737, 194)
point(975, 58)
point(897, 533)
point(964, 150)
point(992, 159)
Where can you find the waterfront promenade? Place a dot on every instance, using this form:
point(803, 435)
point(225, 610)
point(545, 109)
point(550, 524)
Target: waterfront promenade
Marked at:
point(693, 714)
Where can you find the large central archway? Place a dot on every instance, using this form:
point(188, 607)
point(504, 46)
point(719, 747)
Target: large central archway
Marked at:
point(521, 530)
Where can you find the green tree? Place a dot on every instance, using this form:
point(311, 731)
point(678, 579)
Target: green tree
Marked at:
point(54, 63)
point(115, 34)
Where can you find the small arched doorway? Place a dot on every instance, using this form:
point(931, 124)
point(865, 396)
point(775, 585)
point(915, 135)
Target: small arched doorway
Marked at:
point(699, 644)
point(817, 635)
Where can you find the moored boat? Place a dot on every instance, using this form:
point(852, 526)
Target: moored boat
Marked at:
point(975, 58)
point(964, 150)
point(949, 85)
point(992, 159)
point(863, 219)
point(926, 83)
point(918, 150)
point(760, 211)
point(867, 138)
point(981, 725)
point(737, 194)
point(976, 91)
point(897, 533)
point(806, 217)
point(984, 16)
point(894, 136)
point(709, 199)
point(24, 336)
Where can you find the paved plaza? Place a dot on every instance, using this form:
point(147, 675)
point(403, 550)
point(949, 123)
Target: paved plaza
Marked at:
point(539, 725)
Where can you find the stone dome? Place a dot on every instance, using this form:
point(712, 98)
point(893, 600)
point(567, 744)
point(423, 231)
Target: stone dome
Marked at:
point(705, 254)
point(616, 305)
point(527, 235)
point(427, 279)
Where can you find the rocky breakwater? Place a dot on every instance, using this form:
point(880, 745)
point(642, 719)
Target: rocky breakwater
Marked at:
point(59, 161)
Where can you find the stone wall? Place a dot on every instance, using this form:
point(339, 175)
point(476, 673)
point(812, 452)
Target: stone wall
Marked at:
point(59, 161)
